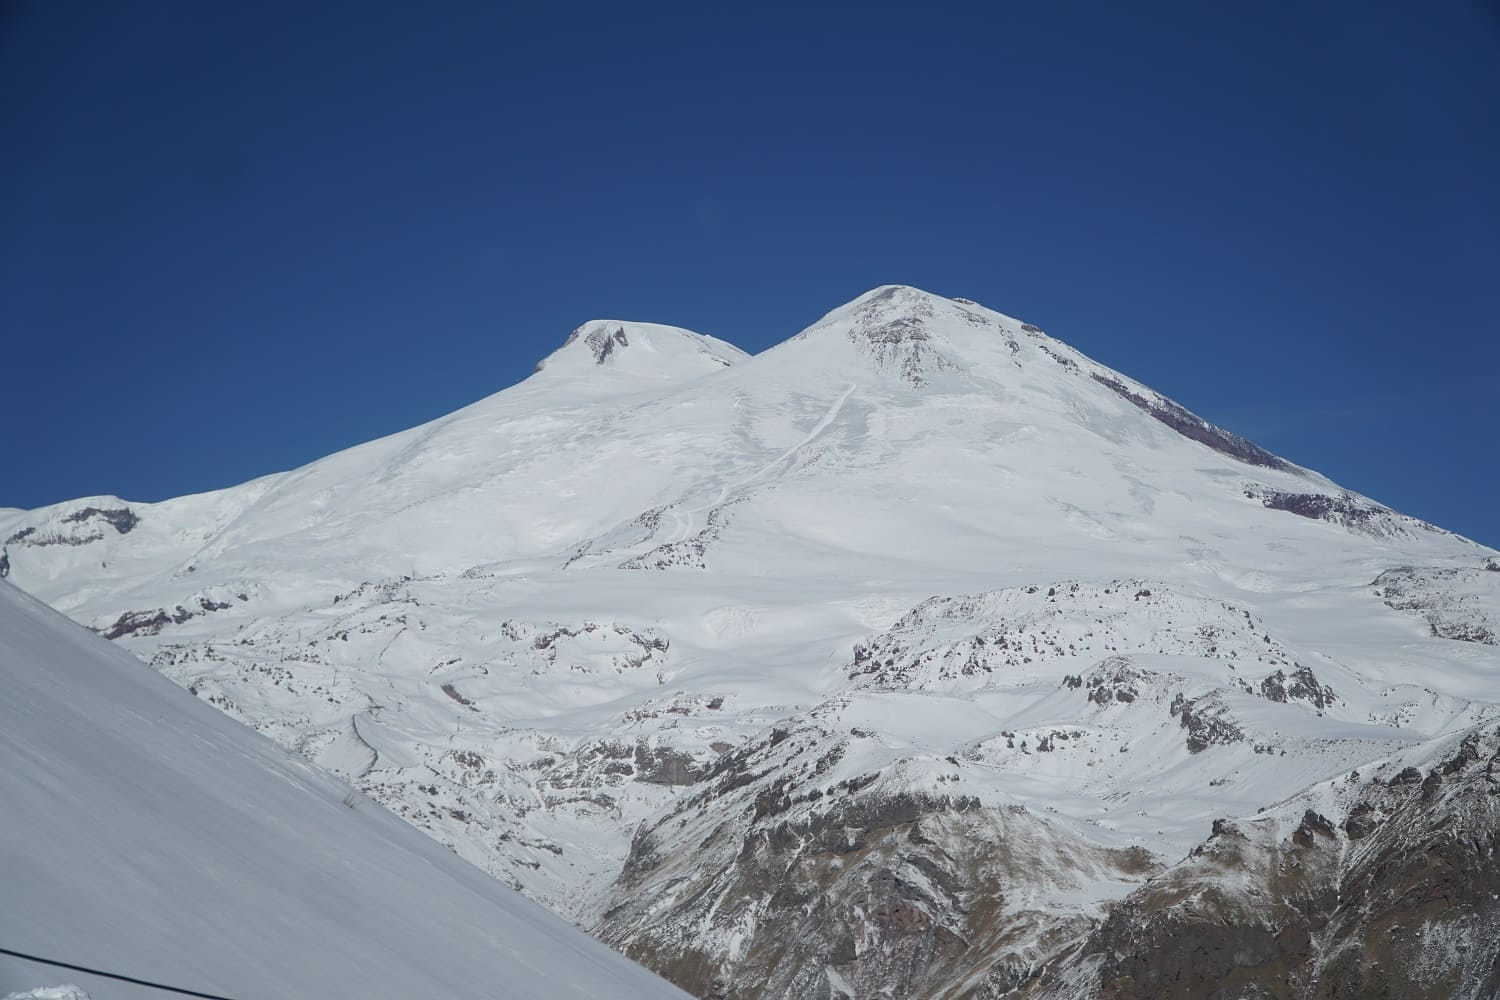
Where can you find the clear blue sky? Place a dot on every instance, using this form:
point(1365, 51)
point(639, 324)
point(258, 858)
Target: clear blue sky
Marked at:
point(237, 237)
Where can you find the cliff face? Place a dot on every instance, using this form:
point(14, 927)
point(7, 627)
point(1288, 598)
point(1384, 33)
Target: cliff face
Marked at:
point(810, 865)
point(1394, 893)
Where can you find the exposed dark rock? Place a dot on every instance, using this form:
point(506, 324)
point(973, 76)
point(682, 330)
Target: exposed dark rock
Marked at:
point(1447, 598)
point(1225, 828)
point(146, 622)
point(122, 519)
point(687, 553)
point(1194, 427)
point(1410, 910)
point(844, 888)
point(1313, 825)
point(1302, 686)
point(602, 342)
point(890, 328)
point(1468, 753)
point(1362, 821)
point(1207, 722)
point(1345, 510)
point(452, 692)
point(665, 766)
point(1464, 632)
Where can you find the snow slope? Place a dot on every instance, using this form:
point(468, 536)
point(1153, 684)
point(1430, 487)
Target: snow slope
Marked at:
point(961, 563)
point(145, 833)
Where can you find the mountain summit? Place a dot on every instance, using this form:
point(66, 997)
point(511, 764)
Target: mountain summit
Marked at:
point(919, 655)
point(642, 350)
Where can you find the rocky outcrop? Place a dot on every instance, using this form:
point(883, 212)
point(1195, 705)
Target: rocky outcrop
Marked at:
point(80, 527)
point(1302, 685)
point(972, 640)
point(1194, 427)
point(122, 519)
point(811, 878)
point(1457, 602)
point(151, 622)
point(1400, 900)
point(1345, 509)
point(891, 327)
point(1207, 722)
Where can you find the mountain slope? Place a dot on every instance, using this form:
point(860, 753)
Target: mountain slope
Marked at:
point(146, 833)
point(757, 665)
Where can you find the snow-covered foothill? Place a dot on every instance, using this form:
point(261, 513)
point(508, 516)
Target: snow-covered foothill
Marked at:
point(146, 834)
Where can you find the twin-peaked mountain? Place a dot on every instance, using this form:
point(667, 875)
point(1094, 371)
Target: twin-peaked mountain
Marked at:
point(898, 657)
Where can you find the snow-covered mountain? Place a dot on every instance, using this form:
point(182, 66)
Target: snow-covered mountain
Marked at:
point(899, 659)
point(144, 833)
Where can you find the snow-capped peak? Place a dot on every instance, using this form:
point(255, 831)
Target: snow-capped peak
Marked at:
point(902, 307)
point(918, 336)
point(642, 350)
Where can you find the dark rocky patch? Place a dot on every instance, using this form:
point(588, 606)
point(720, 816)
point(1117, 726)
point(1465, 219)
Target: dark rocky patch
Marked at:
point(1345, 510)
point(1207, 722)
point(1303, 685)
point(666, 766)
point(146, 622)
point(837, 885)
point(1063, 360)
point(452, 692)
point(122, 519)
point(1362, 821)
point(1313, 826)
point(1410, 909)
point(1437, 594)
point(1194, 427)
point(602, 342)
point(1113, 680)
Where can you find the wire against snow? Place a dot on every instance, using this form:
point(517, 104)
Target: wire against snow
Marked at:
point(113, 975)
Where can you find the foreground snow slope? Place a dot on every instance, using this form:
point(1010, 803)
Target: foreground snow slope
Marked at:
point(143, 832)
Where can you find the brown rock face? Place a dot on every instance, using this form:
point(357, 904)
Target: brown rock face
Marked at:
point(1403, 902)
point(856, 887)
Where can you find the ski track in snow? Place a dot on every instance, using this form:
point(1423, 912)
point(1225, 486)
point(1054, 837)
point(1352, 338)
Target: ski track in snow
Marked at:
point(685, 521)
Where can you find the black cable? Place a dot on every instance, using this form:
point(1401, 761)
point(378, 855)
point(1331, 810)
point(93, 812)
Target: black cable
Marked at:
point(113, 975)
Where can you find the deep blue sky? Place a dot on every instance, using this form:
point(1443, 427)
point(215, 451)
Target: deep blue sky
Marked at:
point(234, 238)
